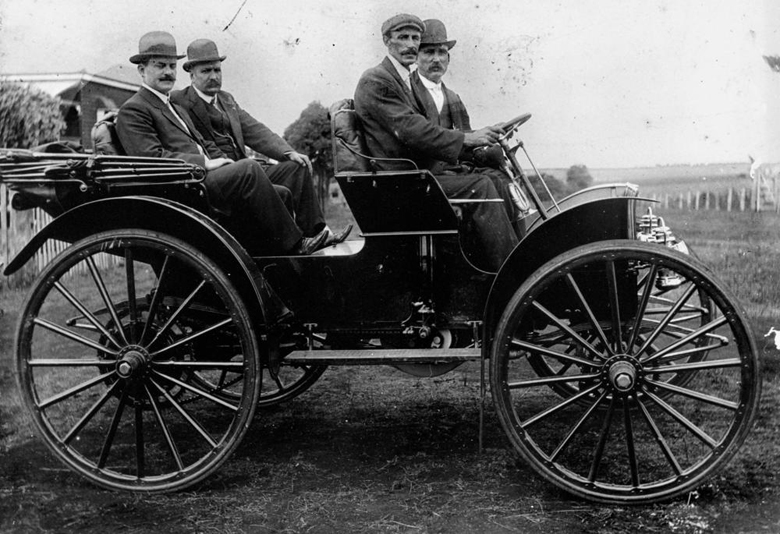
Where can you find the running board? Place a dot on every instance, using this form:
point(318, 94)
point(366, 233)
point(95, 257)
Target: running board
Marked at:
point(381, 356)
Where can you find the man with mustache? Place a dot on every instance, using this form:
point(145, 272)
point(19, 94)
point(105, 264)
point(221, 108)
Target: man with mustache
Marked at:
point(396, 126)
point(149, 125)
point(220, 119)
point(444, 108)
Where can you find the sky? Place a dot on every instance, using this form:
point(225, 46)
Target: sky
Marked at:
point(609, 83)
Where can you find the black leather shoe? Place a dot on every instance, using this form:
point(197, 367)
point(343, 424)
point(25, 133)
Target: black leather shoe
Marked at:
point(338, 237)
point(309, 245)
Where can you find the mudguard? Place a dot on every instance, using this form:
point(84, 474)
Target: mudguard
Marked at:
point(596, 220)
point(167, 217)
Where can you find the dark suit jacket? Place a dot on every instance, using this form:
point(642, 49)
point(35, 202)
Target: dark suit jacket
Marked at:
point(246, 130)
point(146, 127)
point(452, 103)
point(395, 122)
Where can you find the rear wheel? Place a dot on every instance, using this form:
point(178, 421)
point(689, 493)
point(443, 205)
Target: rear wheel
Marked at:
point(645, 393)
point(137, 361)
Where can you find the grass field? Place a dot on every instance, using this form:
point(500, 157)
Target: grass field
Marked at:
point(374, 450)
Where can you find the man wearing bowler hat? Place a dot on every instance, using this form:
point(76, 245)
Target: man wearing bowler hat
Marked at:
point(396, 126)
point(444, 108)
point(149, 125)
point(220, 119)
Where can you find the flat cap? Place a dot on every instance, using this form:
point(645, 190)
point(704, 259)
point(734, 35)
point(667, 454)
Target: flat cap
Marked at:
point(402, 20)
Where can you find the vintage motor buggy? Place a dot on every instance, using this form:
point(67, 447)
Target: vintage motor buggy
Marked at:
point(619, 367)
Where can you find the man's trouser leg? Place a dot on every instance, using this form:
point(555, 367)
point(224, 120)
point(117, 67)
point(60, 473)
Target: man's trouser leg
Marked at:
point(242, 191)
point(297, 179)
point(489, 219)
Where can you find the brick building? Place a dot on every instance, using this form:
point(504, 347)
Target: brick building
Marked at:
point(85, 97)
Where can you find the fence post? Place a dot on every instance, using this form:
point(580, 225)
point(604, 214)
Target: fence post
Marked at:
point(4, 237)
point(729, 197)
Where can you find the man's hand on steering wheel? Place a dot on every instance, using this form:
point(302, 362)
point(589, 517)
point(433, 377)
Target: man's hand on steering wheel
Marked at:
point(486, 136)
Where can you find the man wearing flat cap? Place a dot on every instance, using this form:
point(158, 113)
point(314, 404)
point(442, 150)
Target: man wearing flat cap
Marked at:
point(220, 119)
point(445, 108)
point(149, 125)
point(396, 126)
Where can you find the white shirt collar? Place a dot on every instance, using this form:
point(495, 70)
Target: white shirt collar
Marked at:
point(208, 99)
point(161, 96)
point(429, 84)
point(403, 72)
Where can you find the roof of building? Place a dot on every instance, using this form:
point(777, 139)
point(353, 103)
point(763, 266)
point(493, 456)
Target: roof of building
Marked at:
point(66, 85)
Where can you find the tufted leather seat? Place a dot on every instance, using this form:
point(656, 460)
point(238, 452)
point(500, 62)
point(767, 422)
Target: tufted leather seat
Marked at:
point(104, 138)
point(349, 145)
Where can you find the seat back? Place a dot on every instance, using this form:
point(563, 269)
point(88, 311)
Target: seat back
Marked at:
point(105, 141)
point(350, 153)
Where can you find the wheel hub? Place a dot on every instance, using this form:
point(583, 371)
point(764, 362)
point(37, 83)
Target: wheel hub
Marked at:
point(132, 362)
point(622, 373)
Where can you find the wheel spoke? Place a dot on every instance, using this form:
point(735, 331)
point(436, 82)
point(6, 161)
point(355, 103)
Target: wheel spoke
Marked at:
point(190, 338)
point(106, 449)
point(566, 328)
point(598, 454)
point(574, 429)
point(552, 380)
point(614, 303)
point(643, 302)
point(712, 325)
point(87, 314)
point(696, 366)
point(157, 296)
point(554, 409)
point(696, 395)
point(667, 318)
point(684, 421)
point(174, 317)
point(536, 349)
point(591, 316)
point(630, 448)
point(186, 415)
point(90, 413)
point(74, 336)
point(662, 443)
point(165, 430)
point(197, 391)
point(131, 298)
point(190, 364)
point(140, 462)
point(75, 389)
point(103, 290)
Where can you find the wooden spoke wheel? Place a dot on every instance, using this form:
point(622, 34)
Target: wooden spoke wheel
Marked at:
point(649, 376)
point(137, 361)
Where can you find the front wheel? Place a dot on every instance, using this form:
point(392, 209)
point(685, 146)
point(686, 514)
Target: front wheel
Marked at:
point(137, 360)
point(642, 397)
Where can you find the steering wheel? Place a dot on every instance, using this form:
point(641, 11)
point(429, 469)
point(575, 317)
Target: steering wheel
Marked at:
point(509, 126)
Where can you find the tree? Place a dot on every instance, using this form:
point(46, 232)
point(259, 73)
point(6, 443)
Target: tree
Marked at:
point(773, 62)
point(578, 177)
point(310, 134)
point(28, 116)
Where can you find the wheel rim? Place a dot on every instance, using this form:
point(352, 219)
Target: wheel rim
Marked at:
point(124, 350)
point(642, 397)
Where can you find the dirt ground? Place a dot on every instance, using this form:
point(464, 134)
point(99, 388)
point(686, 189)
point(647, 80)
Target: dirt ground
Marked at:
point(369, 450)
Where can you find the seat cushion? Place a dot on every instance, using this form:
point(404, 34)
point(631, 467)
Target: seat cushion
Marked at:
point(349, 147)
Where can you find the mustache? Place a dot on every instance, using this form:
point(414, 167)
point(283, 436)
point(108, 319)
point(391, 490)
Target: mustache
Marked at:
point(168, 79)
point(412, 50)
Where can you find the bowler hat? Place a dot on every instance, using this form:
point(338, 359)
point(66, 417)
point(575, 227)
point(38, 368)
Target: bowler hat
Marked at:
point(435, 34)
point(402, 20)
point(157, 43)
point(201, 51)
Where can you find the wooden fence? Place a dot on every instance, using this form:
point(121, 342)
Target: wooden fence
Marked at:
point(762, 195)
point(16, 229)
